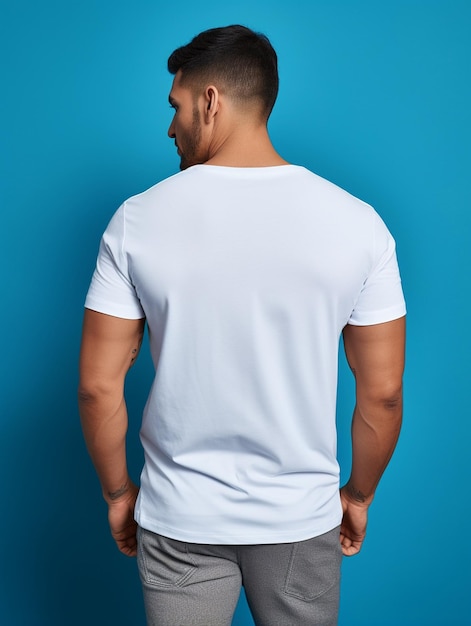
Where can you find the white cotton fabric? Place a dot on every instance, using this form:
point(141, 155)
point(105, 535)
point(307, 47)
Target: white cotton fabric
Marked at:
point(247, 277)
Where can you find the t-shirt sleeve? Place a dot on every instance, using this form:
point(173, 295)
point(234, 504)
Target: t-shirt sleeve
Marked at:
point(111, 290)
point(381, 298)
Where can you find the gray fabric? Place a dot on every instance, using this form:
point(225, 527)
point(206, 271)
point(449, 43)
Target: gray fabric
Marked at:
point(287, 584)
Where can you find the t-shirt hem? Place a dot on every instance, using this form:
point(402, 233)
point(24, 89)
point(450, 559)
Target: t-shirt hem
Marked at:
point(259, 538)
point(379, 317)
point(124, 312)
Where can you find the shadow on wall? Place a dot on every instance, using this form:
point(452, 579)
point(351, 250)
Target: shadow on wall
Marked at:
point(61, 565)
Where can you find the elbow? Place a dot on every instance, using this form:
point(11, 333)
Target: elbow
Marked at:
point(380, 411)
point(391, 397)
point(94, 392)
point(88, 396)
point(393, 402)
point(387, 398)
point(97, 404)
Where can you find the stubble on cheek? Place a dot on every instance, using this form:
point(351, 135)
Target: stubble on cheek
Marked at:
point(191, 150)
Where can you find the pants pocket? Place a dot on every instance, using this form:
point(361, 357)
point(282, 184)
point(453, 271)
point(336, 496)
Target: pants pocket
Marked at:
point(314, 566)
point(163, 562)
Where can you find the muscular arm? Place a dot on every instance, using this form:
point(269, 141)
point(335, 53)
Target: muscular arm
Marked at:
point(110, 345)
point(376, 357)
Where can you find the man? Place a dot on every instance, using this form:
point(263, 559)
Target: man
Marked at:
point(247, 270)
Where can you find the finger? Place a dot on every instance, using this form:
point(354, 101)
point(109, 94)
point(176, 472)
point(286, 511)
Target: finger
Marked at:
point(350, 546)
point(350, 550)
point(127, 549)
point(353, 548)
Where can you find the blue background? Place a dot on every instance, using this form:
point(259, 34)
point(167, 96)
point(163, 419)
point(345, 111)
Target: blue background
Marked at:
point(374, 96)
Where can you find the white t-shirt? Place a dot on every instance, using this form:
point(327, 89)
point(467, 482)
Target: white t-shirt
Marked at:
point(246, 277)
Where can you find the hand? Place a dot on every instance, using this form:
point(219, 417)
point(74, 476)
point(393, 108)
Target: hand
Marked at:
point(353, 527)
point(121, 520)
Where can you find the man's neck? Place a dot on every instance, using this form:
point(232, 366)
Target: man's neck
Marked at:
point(246, 147)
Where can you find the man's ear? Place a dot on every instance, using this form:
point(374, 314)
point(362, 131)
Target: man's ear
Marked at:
point(211, 101)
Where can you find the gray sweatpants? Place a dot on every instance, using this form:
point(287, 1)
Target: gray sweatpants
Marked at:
point(286, 584)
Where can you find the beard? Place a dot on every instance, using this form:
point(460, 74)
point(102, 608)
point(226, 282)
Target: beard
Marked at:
point(190, 148)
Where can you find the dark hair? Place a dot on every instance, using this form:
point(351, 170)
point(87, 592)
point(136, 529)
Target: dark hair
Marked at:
point(242, 61)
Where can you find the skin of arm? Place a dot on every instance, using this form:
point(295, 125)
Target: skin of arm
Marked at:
point(110, 346)
point(375, 355)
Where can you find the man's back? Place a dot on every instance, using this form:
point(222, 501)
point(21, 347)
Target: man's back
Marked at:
point(246, 277)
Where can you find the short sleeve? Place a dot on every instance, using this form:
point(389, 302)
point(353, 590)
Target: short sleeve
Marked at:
point(381, 298)
point(111, 290)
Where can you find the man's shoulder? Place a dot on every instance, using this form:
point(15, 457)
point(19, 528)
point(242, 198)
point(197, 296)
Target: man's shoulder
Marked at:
point(163, 186)
point(332, 197)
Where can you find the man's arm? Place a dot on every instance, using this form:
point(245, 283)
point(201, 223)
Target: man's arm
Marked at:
point(376, 357)
point(110, 346)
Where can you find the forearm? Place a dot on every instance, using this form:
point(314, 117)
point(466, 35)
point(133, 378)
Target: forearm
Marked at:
point(104, 424)
point(375, 431)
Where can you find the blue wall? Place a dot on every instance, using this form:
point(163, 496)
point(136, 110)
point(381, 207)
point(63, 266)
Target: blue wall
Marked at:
point(374, 96)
